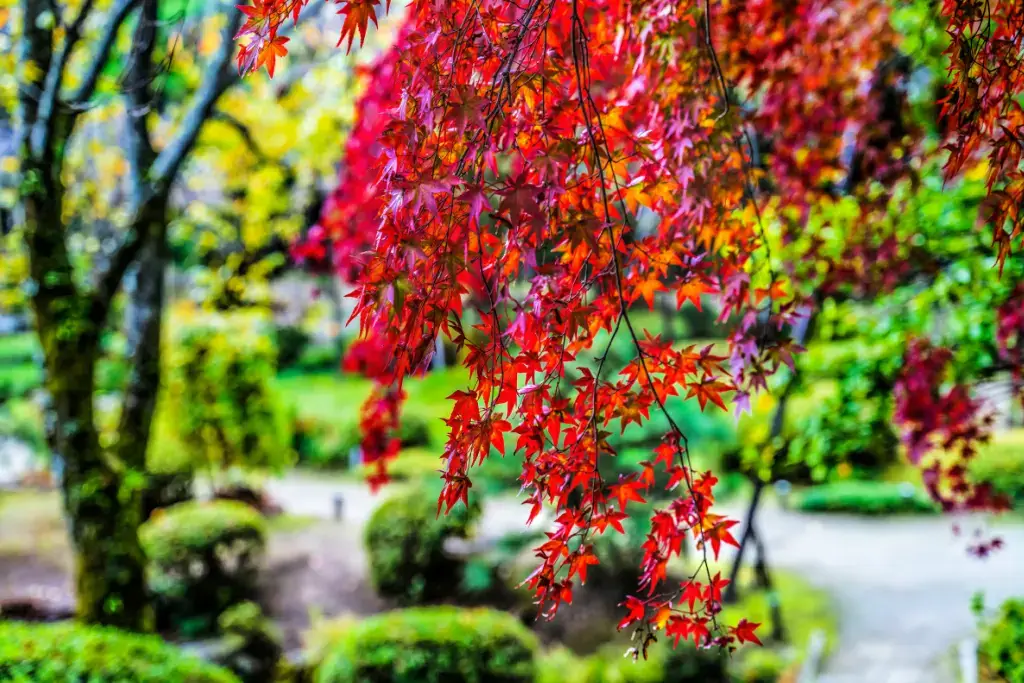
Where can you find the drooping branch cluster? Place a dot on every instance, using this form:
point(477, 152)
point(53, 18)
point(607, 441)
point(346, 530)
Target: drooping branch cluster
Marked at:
point(513, 155)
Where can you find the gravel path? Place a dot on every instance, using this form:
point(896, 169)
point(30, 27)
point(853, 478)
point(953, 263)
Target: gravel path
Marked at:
point(902, 586)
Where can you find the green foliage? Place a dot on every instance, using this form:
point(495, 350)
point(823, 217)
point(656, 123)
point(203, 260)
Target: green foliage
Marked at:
point(252, 643)
point(220, 394)
point(865, 498)
point(291, 342)
point(19, 348)
point(609, 665)
point(1001, 463)
point(322, 357)
point(1001, 646)
point(405, 540)
point(433, 645)
point(203, 558)
point(22, 419)
point(66, 653)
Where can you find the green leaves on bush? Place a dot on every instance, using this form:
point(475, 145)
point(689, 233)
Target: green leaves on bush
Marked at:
point(433, 645)
point(67, 653)
point(1001, 647)
point(220, 393)
point(405, 540)
point(865, 498)
point(204, 558)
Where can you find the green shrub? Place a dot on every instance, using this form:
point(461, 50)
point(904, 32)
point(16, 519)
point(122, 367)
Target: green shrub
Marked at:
point(1001, 463)
point(405, 540)
point(865, 498)
point(759, 665)
point(67, 653)
point(319, 357)
point(687, 664)
point(220, 395)
point(291, 341)
point(413, 431)
point(1001, 646)
point(22, 419)
point(433, 645)
point(203, 558)
point(611, 664)
point(252, 643)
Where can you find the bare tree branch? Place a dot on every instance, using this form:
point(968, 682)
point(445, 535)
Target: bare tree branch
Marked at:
point(219, 77)
point(37, 49)
point(79, 99)
point(136, 82)
point(42, 130)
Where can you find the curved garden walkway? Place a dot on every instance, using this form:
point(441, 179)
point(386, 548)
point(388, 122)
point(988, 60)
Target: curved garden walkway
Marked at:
point(902, 586)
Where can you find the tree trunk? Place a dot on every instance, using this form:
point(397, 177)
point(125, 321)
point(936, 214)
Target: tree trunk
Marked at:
point(802, 333)
point(102, 493)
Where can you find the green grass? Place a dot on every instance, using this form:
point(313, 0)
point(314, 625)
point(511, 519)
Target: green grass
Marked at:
point(865, 498)
point(333, 398)
point(289, 524)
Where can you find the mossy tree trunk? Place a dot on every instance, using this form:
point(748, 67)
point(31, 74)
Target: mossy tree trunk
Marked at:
point(103, 481)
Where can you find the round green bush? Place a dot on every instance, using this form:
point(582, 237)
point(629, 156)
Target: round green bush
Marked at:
point(405, 540)
point(68, 653)
point(203, 558)
point(433, 645)
point(1001, 647)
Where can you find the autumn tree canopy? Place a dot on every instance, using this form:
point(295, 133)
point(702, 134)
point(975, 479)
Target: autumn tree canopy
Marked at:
point(561, 160)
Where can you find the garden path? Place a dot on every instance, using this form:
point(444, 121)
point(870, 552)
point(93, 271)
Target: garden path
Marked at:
point(902, 585)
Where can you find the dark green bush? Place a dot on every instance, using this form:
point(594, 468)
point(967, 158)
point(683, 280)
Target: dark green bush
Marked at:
point(203, 558)
point(164, 490)
point(252, 644)
point(687, 664)
point(433, 645)
point(413, 431)
point(319, 357)
point(1001, 646)
point(67, 653)
point(865, 498)
point(291, 341)
point(405, 540)
point(663, 665)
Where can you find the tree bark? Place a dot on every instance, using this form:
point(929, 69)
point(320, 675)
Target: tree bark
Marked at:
point(778, 421)
point(101, 505)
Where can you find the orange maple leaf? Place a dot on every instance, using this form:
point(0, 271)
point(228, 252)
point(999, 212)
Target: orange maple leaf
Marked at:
point(358, 14)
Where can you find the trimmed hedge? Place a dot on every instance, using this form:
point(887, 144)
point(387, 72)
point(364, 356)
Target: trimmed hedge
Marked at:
point(433, 645)
point(865, 498)
point(204, 558)
point(405, 540)
point(68, 653)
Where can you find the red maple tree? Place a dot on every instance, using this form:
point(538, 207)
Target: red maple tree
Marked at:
point(513, 153)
